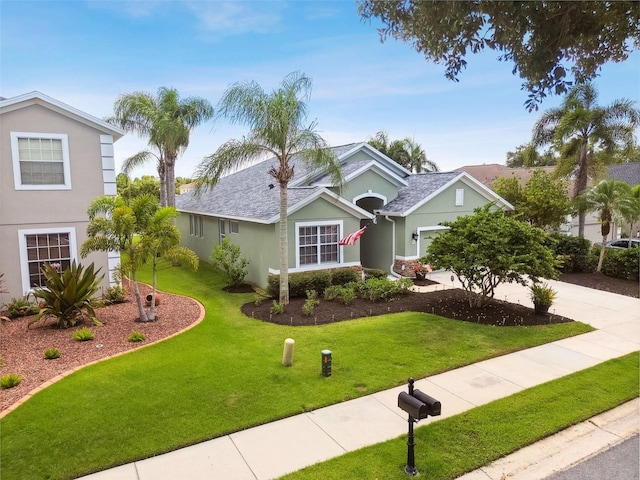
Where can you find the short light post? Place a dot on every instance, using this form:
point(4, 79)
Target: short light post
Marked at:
point(418, 405)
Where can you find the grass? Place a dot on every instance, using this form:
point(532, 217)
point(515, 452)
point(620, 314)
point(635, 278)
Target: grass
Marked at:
point(225, 375)
point(451, 447)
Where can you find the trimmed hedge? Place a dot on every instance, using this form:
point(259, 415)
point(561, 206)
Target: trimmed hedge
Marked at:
point(575, 253)
point(621, 263)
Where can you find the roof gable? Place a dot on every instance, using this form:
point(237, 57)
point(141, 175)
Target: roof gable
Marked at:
point(423, 187)
point(37, 98)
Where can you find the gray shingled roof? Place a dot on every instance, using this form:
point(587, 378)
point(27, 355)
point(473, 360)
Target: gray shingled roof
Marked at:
point(421, 185)
point(246, 194)
point(626, 172)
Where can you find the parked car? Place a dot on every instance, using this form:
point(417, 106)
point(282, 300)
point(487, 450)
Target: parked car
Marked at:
point(623, 243)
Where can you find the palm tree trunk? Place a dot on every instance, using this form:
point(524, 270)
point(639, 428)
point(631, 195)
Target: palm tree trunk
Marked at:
point(170, 182)
point(601, 259)
point(581, 183)
point(152, 305)
point(136, 291)
point(162, 174)
point(284, 247)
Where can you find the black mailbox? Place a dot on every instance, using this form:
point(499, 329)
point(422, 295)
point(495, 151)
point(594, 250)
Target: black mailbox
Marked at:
point(412, 406)
point(418, 405)
point(432, 405)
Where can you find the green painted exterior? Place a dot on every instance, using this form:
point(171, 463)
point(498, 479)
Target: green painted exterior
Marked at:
point(387, 244)
point(441, 208)
point(370, 180)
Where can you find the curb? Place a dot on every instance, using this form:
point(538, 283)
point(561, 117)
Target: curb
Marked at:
point(565, 449)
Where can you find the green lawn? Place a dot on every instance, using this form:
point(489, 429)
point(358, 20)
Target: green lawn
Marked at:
point(448, 448)
point(225, 375)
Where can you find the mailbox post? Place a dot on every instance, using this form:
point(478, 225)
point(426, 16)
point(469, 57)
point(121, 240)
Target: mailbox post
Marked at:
point(418, 405)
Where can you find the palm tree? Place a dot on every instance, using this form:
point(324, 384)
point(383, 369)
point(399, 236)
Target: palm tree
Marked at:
point(161, 239)
point(586, 135)
point(418, 161)
point(406, 152)
point(113, 225)
point(395, 150)
point(166, 120)
point(613, 200)
point(276, 127)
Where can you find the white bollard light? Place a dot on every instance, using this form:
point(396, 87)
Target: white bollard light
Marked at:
point(287, 354)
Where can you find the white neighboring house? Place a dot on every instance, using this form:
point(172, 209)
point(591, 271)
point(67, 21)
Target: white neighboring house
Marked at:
point(54, 159)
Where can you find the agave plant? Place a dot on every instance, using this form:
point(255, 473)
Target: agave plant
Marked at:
point(68, 294)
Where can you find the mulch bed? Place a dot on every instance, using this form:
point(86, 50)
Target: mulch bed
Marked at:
point(450, 303)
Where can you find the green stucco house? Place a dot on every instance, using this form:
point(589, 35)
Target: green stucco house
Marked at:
point(402, 212)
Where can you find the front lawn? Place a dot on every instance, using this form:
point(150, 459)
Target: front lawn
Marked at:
point(225, 375)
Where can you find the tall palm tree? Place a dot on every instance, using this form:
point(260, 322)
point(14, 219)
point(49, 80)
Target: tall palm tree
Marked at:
point(166, 120)
point(406, 152)
point(276, 123)
point(587, 135)
point(418, 161)
point(395, 150)
point(613, 200)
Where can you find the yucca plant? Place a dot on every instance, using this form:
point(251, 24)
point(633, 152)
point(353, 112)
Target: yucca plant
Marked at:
point(68, 294)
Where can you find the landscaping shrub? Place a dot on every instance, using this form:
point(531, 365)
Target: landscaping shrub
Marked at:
point(574, 252)
point(310, 303)
point(136, 337)
point(374, 273)
point(344, 276)
point(277, 308)
point(68, 294)
point(376, 289)
point(299, 283)
point(10, 380)
point(83, 334)
point(621, 263)
point(21, 307)
point(51, 353)
point(226, 256)
point(345, 293)
point(114, 294)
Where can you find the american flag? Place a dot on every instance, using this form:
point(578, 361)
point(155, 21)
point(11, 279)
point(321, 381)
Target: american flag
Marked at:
point(352, 238)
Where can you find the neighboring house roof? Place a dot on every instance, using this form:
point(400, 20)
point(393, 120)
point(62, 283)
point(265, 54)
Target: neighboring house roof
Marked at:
point(251, 194)
point(626, 172)
point(37, 98)
point(186, 187)
point(487, 174)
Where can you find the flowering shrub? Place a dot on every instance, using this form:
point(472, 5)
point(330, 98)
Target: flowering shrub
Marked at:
point(422, 269)
point(115, 294)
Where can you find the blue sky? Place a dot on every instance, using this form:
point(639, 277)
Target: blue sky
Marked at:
point(86, 53)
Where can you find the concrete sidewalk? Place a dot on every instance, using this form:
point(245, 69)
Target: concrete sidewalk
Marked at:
point(274, 449)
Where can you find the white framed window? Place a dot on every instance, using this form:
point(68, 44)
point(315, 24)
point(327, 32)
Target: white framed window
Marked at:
point(40, 161)
point(196, 225)
point(459, 197)
point(234, 227)
point(48, 245)
point(223, 230)
point(317, 243)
